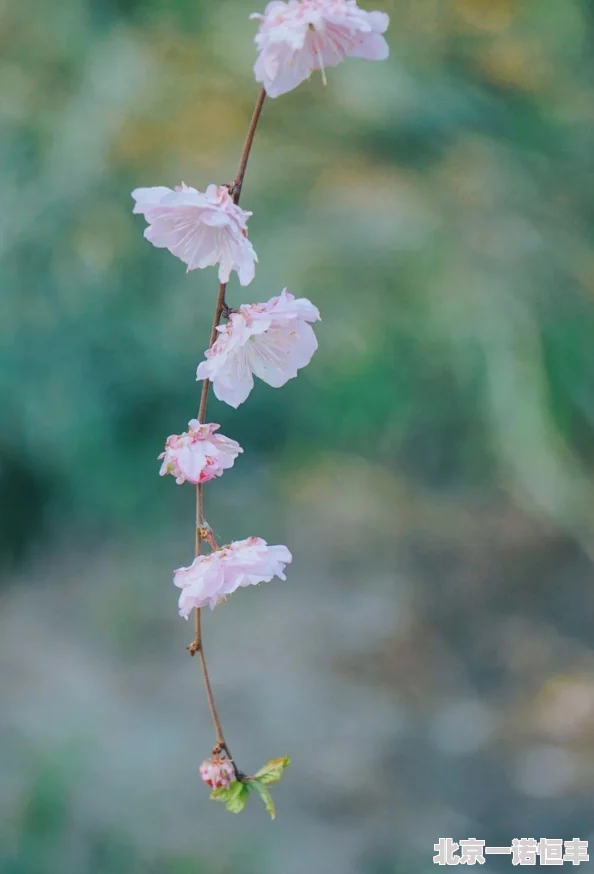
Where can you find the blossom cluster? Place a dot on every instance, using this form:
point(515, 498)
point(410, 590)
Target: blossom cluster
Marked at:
point(271, 340)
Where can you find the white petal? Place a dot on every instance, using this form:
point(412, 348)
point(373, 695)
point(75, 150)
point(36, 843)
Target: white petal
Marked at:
point(277, 355)
point(147, 197)
point(233, 382)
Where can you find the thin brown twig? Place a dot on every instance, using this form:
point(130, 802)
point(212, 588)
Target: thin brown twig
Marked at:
point(211, 703)
point(247, 146)
point(196, 646)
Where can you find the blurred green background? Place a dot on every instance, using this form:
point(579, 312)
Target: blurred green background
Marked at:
point(429, 663)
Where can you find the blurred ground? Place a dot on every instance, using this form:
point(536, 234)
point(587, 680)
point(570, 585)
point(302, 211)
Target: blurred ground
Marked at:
point(428, 664)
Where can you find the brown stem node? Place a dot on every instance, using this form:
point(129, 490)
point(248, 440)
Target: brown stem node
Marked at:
point(205, 533)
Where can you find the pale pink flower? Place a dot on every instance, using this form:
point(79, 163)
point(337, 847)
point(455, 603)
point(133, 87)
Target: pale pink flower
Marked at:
point(300, 36)
point(271, 340)
point(217, 773)
point(198, 455)
point(203, 229)
point(210, 578)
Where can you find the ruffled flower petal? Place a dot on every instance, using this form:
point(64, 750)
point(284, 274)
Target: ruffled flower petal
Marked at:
point(270, 340)
point(199, 454)
point(202, 229)
point(300, 36)
point(211, 578)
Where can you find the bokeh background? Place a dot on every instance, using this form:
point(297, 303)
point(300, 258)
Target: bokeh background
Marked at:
point(429, 663)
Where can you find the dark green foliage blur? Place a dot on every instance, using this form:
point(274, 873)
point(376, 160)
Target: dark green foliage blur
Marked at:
point(439, 209)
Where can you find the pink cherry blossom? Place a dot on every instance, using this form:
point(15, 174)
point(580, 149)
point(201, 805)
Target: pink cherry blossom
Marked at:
point(198, 455)
point(217, 773)
point(271, 340)
point(203, 229)
point(210, 578)
point(300, 36)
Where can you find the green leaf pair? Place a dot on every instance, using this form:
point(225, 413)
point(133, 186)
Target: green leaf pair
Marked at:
point(235, 795)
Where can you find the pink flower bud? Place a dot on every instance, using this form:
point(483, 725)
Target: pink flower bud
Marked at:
point(198, 455)
point(217, 773)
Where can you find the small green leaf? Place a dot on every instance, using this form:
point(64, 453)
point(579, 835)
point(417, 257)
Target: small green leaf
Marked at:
point(233, 796)
point(272, 771)
point(264, 794)
point(239, 794)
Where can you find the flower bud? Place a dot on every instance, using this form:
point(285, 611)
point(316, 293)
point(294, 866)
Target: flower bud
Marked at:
point(217, 773)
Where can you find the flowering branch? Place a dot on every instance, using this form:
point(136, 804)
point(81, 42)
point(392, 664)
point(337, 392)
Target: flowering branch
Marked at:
point(201, 533)
point(271, 340)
